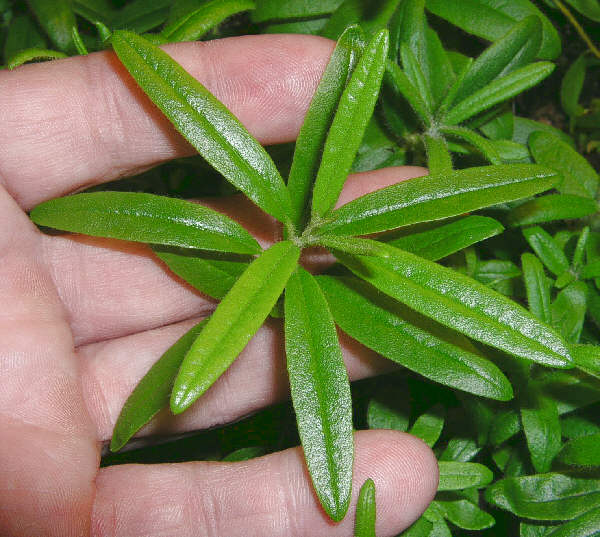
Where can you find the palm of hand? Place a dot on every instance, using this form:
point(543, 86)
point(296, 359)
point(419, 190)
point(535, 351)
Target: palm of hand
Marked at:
point(84, 318)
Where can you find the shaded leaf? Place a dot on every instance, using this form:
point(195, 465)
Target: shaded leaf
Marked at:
point(57, 19)
point(463, 475)
point(546, 248)
point(582, 451)
point(568, 311)
point(537, 286)
point(552, 207)
point(428, 427)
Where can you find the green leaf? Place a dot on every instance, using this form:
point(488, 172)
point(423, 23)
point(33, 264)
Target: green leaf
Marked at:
point(352, 245)
point(492, 19)
point(386, 410)
point(145, 218)
point(570, 389)
point(57, 19)
point(447, 239)
point(583, 451)
point(79, 44)
point(533, 530)
point(552, 207)
point(205, 122)
point(140, 16)
point(578, 176)
point(400, 83)
point(320, 392)
point(466, 515)
point(463, 475)
point(22, 34)
point(428, 427)
point(587, 358)
point(457, 301)
point(194, 25)
point(576, 426)
point(94, 10)
point(586, 525)
point(518, 47)
point(349, 123)
point(460, 450)
point(400, 335)
point(213, 275)
point(539, 416)
point(244, 454)
point(313, 134)
point(366, 514)
point(537, 286)
point(268, 10)
point(371, 17)
point(572, 85)
point(568, 311)
point(545, 496)
point(415, 73)
point(589, 8)
point(153, 391)
point(421, 528)
point(234, 322)
point(505, 425)
point(524, 128)
point(434, 197)
point(438, 156)
point(487, 148)
point(547, 250)
point(495, 271)
point(33, 54)
point(499, 90)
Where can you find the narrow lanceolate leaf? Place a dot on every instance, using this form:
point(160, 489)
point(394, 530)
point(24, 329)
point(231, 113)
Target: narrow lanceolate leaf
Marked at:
point(583, 451)
point(312, 136)
point(434, 197)
point(401, 84)
point(547, 250)
point(57, 19)
point(366, 512)
point(539, 416)
point(568, 311)
point(234, 322)
point(320, 392)
point(397, 333)
point(545, 496)
point(349, 123)
point(537, 286)
point(552, 207)
point(572, 85)
point(145, 218)
point(438, 156)
point(587, 358)
point(353, 245)
point(499, 90)
point(428, 427)
point(413, 70)
point(213, 275)
point(518, 47)
point(30, 54)
point(152, 392)
point(463, 304)
point(577, 175)
point(586, 525)
point(194, 25)
point(487, 148)
point(447, 239)
point(205, 122)
point(463, 475)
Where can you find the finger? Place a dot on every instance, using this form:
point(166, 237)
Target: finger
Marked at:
point(266, 497)
point(81, 121)
point(256, 379)
point(114, 288)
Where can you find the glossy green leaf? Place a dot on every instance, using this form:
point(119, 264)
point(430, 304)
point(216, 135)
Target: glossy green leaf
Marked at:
point(320, 392)
point(578, 176)
point(142, 16)
point(583, 451)
point(152, 393)
point(428, 427)
point(400, 335)
point(421, 528)
point(587, 358)
point(371, 17)
point(505, 425)
point(524, 128)
point(145, 218)
point(552, 207)
point(438, 156)
point(487, 148)
point(434, 197)
point(546, 248)
point(570, 389)
point(580, 248)
point(499, 90)
point(194, 25)
point(414, 71)
point(239, 315)
point(349, 123)
point(439, 72)
point(463, 475)
point(205, 122)
point(568, 311)
point(494, 271)
point(585, 525)
point(400, 83)
point(533, 530)
point(57, 19)
point(518, 47)
point(460, 450)
point(313, 134)
point(447, 239)
point(457, 301)
point(22, 34)
point(212, 274)
point(466, 515)
point(537, 286)
point(545, 496)
point(572, 85)
point(492, 19)
point(575, 426)
point(539, 416)
point(454, 88)
point(366, 511)
point(267, 10)
point(352, 245)
point(31, 54)
point(79, 44)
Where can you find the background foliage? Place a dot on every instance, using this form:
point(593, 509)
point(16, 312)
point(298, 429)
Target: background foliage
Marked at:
point(528, 466)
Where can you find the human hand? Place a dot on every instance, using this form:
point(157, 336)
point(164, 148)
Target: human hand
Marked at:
point(84, 318)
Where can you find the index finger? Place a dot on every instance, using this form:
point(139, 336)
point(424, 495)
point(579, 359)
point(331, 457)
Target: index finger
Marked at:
point(73, 123)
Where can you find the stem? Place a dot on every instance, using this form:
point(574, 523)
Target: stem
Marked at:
point(586, 38)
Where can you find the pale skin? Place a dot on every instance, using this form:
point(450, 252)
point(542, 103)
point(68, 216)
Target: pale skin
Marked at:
point(82, 319)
